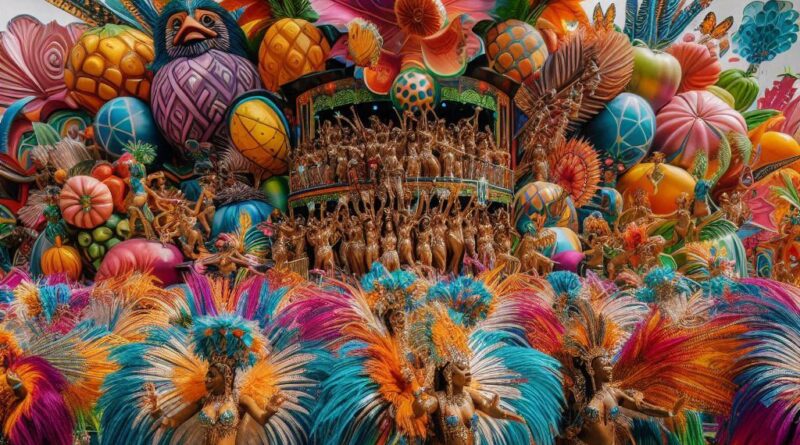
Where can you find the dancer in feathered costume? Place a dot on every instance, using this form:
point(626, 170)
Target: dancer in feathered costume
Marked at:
point(51, 318)
point(226, 374)
point(52, 366)
point(766, 408)
point(679, 359)
point(401, 336)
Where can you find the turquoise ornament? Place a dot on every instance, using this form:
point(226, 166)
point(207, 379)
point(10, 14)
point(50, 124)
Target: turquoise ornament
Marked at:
point(624, 130)
point(226, 218)
point(122, 121)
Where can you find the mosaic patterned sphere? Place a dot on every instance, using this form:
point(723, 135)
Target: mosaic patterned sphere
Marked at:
point(190, 97)
point(414, 89)
point(544, 198)
point(515, 49)
point(124, 120)
point(260, 132)
point(624, 130)
point(108, 62)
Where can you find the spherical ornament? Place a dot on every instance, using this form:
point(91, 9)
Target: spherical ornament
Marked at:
point(515, 49)
point(226, 217)
point(85, 202)
point(544, 198)
point(141, 255)
point(291, 48)
point(624, 130)
point(700, 68)
point(260, 132)
point(414, 89)
point(277, 190)
point(664, 193)
point(108, 62)
point(743, 87)
point(689, 128)
point(122, 121)
point(191, 96)
point(61, 259)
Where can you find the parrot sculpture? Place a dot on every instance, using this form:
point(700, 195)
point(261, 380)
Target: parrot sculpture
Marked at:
point(200, 67)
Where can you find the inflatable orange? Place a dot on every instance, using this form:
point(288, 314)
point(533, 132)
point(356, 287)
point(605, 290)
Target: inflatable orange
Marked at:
point(663, 197)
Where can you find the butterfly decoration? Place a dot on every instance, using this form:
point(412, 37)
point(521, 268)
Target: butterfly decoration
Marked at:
point(710, 30)
point(604, 21)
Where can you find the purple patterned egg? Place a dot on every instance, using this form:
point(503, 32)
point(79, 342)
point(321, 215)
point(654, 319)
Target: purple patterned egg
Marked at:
point(190, 97)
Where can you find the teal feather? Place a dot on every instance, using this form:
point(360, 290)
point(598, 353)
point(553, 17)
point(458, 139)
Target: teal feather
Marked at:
point(467, 300)
point(528, 382)
point(350, 393)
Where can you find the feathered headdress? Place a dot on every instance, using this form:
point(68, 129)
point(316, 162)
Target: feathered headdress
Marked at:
point(229, 339)
point(589, 334)
point(434, 336)
point(390, 291)
point(468, 300)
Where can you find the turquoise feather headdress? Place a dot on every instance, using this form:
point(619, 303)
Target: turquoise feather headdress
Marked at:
point(227, 338)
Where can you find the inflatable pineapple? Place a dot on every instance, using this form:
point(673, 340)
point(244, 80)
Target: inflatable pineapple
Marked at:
point(292, 47)
point(108, 62)
point(515, 49)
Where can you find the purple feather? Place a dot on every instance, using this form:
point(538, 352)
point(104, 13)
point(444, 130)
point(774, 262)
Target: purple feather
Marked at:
point(47, 418)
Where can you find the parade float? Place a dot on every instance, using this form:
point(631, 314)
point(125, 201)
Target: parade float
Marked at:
point(416, 221)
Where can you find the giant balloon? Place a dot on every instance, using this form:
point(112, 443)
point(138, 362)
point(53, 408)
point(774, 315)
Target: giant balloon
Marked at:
point(624, 130)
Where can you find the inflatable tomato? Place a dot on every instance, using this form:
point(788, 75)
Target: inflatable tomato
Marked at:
point(85, 202)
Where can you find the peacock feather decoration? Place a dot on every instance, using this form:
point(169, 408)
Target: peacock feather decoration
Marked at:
point(658, 23)
point(767, 30)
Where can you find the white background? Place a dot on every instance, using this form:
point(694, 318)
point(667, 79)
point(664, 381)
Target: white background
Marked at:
point(723, 8)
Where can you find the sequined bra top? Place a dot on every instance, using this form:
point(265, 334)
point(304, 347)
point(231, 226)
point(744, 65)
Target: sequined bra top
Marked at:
point(226, 423)
point(227, 418)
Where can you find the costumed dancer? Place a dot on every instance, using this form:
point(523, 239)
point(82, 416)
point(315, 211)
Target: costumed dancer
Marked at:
point(52, 365)
point(226, 372)
point(616, 352)
point(411, 356)
point(766, 409)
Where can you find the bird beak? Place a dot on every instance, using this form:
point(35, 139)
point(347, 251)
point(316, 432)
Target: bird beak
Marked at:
point(191, 31)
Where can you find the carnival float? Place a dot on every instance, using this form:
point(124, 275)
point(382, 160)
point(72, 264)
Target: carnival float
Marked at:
point(403, 222)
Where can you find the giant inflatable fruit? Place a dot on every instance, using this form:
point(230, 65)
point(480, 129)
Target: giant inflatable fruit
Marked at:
point(260, 133)
point(663, 196)
point(85, 202)
point(624, 130)
point(691, 126)
point(61, 259)
point(515, 49)
point(292, 47)
point(743, 87)
point(656, 76)
point(699, 67)
point(108, 62)
point(141, 255)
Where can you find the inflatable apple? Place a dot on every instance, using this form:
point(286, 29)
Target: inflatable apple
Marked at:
point(656, 75)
